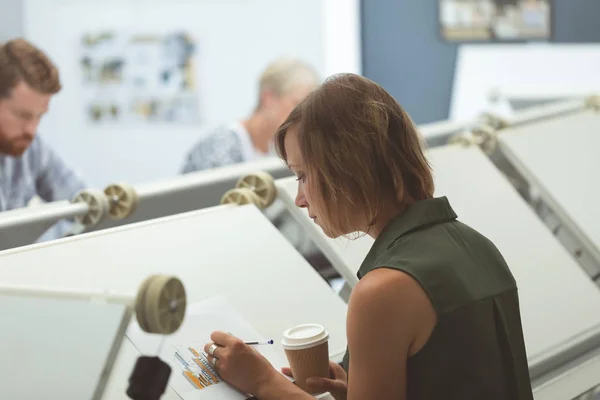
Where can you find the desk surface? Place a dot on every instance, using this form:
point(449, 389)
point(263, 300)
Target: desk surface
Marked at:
point(558, 300)
point(230, 250)
point(560, 156)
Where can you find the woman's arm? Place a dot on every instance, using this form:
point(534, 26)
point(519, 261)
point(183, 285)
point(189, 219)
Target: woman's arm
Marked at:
point(249, 371)
point(390, 317)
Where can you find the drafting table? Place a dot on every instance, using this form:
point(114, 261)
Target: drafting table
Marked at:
point(547, 111)
point(483, 72)
point(559, 303)
point(522, 97)
point(183, 193)
point(61, 343)
point(25, 225)
point(437, 133)
point(485, 133)
point(231, 250)
point(519, 101)
point(120, 203)
point(559, 158)
point(95, 211)
point(484, 130)
point(490, 123)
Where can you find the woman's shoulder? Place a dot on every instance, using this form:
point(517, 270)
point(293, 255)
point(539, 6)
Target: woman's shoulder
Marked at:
point(384, 285)
point(385, 298)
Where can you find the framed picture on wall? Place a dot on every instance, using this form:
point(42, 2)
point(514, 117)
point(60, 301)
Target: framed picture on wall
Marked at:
point(139, 78)
point(495, 20)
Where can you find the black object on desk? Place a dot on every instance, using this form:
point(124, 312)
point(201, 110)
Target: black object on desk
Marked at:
point(149, 379)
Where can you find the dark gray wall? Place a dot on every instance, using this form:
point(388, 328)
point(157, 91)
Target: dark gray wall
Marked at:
point(403, 51)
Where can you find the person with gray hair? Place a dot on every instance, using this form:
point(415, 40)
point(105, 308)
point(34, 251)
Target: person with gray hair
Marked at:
point(282, 85)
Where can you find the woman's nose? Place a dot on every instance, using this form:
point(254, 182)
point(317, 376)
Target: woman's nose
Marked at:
point(301, 200)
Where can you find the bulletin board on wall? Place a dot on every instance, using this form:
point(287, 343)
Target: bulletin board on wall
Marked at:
point(139, 77)
point(212, 51)
point(495, 20)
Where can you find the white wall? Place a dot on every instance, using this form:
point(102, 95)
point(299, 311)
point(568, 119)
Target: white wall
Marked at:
point(11, 19)
point(341, 36)
point(236, 39)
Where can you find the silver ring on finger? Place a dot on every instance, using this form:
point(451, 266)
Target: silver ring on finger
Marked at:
point(214, 362)
point(211, 349)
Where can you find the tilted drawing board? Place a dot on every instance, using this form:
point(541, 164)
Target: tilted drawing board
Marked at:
point(179, 194)
point(51, 220)
point(205, 188)
point(24, 226)
point(55, 348)
point(482, 72)
point(437, 133)
point(559, 157)
point(227, 250)
point(124, 204)
point(559, 302)
point(546, 111)
point(60, 343)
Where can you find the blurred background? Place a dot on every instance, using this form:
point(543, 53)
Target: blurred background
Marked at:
point(441, 59)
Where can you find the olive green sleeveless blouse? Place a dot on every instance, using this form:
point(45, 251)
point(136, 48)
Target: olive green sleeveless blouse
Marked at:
point(476, 350)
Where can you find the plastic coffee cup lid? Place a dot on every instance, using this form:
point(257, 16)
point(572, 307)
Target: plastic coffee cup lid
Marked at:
point(304, 337)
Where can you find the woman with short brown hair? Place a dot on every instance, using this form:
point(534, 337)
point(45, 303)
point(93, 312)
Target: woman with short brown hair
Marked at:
point(435, 314)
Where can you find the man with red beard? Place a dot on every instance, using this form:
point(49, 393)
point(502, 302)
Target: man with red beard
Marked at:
point(28, 167)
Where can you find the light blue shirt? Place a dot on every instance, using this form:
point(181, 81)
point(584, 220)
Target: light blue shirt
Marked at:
point(39, 171)
point(225, 145)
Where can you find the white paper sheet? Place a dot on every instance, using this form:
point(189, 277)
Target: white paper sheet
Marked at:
point(183, 350)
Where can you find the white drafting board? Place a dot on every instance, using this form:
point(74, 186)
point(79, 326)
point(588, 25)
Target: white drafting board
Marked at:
point(560, 157)
point(558, 300)
point(56, 348)
point(482, 70)
point(545, 111)
point(191, 191)
point(227, 250)
point(522, 104)
point(437, 133)
point(24, 226)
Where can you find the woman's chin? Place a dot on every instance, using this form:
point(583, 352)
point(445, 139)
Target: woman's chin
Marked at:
point(329, 233)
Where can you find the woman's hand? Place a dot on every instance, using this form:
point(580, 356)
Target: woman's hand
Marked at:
point(239, 364)
point(337, 386)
